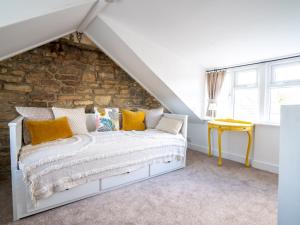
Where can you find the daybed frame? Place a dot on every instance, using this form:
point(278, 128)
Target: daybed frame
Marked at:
point(22, 204)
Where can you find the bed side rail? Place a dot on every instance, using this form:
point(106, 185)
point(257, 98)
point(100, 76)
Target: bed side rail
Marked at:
point(15, 135)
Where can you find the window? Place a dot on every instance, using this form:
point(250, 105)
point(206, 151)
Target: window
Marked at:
point(246, 99)
point(284, 88)
point(256, 93)
point(282, 96)
point(286, 72)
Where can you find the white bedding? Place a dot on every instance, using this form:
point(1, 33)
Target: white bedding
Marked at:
point(59, 165)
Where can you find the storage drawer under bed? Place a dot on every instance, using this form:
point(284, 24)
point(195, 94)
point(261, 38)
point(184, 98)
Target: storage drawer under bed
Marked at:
point(65, 196)
point(118, 180)
point(160, 168)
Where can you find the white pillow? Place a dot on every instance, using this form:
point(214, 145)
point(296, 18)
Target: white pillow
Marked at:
point(76, 118)
point(152, 117)
point(169, 125)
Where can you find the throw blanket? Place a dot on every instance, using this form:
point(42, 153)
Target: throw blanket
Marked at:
point(63, 164)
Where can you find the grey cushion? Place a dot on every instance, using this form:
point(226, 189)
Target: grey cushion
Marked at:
point(152, 117)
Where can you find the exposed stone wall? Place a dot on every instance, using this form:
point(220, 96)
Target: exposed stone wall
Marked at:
point(63, 73)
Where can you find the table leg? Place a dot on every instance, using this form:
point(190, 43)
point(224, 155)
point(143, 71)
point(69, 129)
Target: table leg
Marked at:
point(247, 163)
point(220, 147)
point(209, 141)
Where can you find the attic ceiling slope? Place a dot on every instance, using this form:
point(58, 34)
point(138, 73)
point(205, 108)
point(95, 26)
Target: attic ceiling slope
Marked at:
point(114, 46)
point(39, 24)
point(14, 11)
point(215, 33)
point(181, 77)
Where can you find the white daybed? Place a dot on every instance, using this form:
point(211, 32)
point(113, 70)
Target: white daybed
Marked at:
point(143, 165)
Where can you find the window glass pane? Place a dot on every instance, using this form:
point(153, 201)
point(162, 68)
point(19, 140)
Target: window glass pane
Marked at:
point(246, 104)
point(282, 96)
point(246, 77)
point(288, 72)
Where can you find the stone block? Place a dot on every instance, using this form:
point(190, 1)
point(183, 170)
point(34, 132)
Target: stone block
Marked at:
point(34, 78)
point(67, 77)
point(103, 100)
point(42, 96)
point(18, 72)
point(51, 83)
point(83, 102)
point(3, 70)
point(12, 97)
point(70, 97)
point(69, 70)
point(17, 87)
point(71, 82)
point(67, 90)
point(84, 90)
point(99, 91)
point(88, 77)
point(11, 78)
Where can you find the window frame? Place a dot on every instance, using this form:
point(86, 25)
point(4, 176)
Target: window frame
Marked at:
point(234, 86)
point(271, 83)
point(271, 73)
point(264, 83)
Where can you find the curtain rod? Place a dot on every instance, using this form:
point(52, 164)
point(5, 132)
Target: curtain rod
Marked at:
point(251, 64)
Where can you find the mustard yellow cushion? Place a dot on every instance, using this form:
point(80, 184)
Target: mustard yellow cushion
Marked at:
point(48, 130)
point(133, 120)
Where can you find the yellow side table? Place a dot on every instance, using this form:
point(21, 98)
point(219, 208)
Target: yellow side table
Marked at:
point(230, 125)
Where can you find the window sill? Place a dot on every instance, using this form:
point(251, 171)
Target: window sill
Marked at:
point(255, 123)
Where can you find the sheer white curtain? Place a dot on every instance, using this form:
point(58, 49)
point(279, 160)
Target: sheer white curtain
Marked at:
point(214, 84)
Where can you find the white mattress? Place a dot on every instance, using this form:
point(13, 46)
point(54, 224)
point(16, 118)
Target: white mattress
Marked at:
point(62, 164)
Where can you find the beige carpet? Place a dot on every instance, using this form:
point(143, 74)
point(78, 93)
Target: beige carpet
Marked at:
point(202, 193)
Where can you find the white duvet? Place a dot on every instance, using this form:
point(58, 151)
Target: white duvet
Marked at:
point(59, 165)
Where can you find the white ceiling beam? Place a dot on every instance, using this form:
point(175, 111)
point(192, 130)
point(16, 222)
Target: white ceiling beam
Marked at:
point(91, 15)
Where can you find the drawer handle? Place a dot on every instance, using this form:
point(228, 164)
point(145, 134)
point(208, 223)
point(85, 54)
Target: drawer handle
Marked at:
point(168, 161)
point(127, 172)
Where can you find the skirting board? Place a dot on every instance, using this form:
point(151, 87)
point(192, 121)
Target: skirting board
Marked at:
point(237, 158)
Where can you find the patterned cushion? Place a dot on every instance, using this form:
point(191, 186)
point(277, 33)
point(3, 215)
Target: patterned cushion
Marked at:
point(107, 121)
point(33, 113)
point(152, 117)
point(76, 118)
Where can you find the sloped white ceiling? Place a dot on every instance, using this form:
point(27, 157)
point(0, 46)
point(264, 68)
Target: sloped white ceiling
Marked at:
point(176, 93)
point(13, 11)
point(115, 45)
point(27, 24)
point(215, 33)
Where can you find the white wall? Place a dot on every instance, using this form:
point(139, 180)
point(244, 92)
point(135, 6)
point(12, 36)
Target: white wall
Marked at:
point(264, 154)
